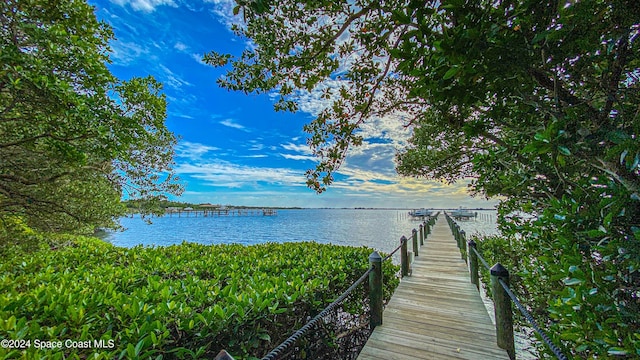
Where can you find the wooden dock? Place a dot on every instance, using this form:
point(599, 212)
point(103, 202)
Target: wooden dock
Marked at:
point(436, 313)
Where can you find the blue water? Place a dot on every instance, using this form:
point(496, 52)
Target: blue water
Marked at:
point(378, 229)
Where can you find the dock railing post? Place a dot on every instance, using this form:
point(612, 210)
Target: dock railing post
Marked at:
point(223, 355)
point(502, 308)
point(421, 234)
point(473, 263)
point(463, 244)
point(404, 258)
point(375, 290)
point(414, 235)
point(454, 231)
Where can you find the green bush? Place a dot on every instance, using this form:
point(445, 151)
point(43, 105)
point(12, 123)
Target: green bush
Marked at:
point(183, 301)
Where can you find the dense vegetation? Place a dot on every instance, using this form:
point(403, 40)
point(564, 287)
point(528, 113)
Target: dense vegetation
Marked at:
point(73, 138)
point(535, 101)
point(180, 301)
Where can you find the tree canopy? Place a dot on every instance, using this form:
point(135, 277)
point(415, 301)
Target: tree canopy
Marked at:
point(73, 138)
point(536, 101)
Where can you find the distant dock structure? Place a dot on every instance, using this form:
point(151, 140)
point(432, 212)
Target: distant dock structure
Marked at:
point(218, 212)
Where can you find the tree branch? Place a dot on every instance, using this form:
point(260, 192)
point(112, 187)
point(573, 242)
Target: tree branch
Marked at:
point(614, 78)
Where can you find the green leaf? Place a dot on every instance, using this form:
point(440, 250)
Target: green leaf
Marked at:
point(617, 351)
point(618, 136)
point(572, 281)
point(541, 137)
point(622, 156)
point(451, 73)
point(139, 346)
point(539, 37)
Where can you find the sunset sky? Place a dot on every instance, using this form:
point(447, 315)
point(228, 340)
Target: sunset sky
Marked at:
point(234, 148)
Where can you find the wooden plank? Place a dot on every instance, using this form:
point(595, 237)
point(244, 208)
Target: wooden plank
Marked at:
point(437, 313)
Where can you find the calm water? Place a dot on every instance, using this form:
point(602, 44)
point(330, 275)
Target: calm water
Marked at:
point(379, 229)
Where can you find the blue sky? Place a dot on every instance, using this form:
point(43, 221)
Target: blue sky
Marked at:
point(234, 148)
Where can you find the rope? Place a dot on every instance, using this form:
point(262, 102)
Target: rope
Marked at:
point(390, 255)
point(482, 260)
point(303, 330)
point(534, 324)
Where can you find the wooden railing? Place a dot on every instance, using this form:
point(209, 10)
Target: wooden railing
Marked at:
point(502, 294)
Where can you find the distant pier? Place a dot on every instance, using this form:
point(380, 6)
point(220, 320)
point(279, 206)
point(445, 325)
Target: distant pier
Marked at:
point(220, 212)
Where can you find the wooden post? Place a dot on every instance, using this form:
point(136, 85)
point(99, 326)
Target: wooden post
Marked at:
point(463, 242)
point(502, 308)
point(223, 355)
point(473, 263)
point(404, 259)
point(421, 234)
point(414, 235)
point(375, 290)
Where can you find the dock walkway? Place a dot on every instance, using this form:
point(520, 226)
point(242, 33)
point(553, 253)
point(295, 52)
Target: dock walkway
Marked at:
point(436, 313)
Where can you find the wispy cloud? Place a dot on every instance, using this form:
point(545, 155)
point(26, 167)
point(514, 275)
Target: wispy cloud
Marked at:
point(198, 59)
point(180, 46)
point(232, 124)
point(299, 157)
point(224, 11)
point(144, 5)
point(303, 152)
point(125, 52)
point(221, 173)
point(172, 79)
point(193, 151)
point(301, 148)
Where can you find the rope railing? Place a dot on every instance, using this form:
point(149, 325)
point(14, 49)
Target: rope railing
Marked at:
point(394, 251)
point(374, 273)
point(482, 260)
point(303, 330)
point(556, 351)
point(502, 294)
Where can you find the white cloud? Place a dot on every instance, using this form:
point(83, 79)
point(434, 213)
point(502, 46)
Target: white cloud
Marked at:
point(221, 173)
point(301, 148)
point(224, 10)
point(180, 46)
point(171, 79)
point(144, 5)
point(193, 151)
point(298, 157)
point(124, 53)
point(313, 102)
point(198, 59)
point(255, 146)
point(303, 152)
point(232, 124)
